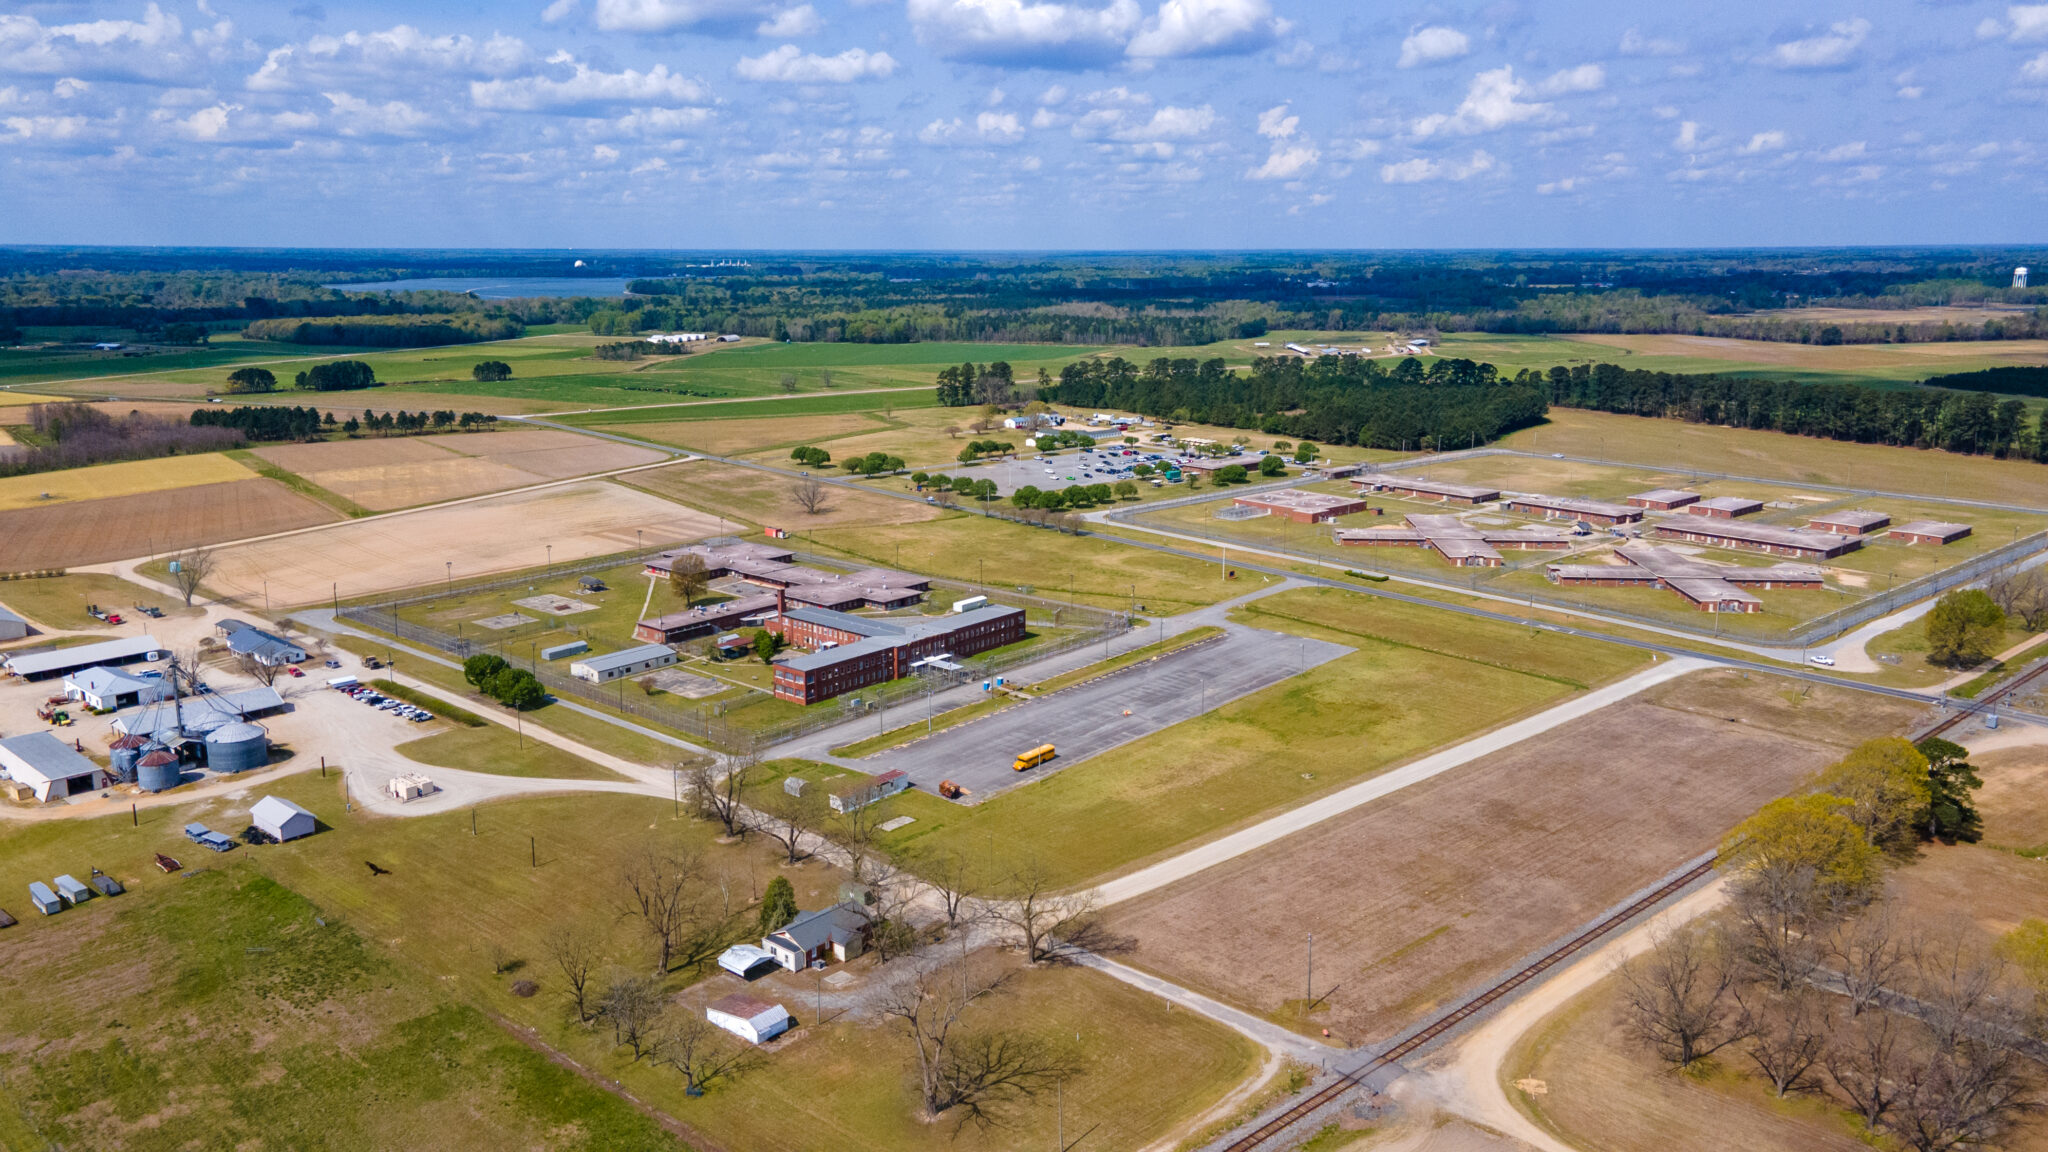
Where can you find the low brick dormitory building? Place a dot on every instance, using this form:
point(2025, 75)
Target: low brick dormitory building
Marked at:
point(848, 652)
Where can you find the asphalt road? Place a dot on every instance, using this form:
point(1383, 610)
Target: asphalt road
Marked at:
point(1090, 719)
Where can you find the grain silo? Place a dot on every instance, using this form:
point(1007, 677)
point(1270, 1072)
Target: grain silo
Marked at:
point(157, 770)
point(237, 747)
point(121, 760)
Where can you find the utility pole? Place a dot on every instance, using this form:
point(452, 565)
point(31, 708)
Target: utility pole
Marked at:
point(1309, 995)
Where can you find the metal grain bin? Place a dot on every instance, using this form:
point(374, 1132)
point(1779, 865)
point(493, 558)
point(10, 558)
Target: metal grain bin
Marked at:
point(157, 770)
point(237, 747)
point(122, 759)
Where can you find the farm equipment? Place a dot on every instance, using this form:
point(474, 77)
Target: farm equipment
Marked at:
point(55, 716)
point(94, 611)
point(166, 864)
point(950, 790)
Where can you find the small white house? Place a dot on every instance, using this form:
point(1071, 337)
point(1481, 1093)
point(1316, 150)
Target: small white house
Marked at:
point(281, 819)
point(749, 1019)
point(105, 689)
point(836, 933)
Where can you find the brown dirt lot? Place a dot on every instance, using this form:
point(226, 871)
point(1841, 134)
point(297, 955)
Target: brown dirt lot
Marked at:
point(503, 533)
point(406, 471)
point(765, 499)
point(121, 527)
point(1419, 896)
point(2014, 799)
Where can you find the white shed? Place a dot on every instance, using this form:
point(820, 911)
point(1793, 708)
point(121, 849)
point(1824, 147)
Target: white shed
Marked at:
point(749, 1019)
point(281, 818)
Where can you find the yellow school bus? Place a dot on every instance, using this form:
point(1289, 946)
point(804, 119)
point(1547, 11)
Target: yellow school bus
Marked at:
point(1033, 758)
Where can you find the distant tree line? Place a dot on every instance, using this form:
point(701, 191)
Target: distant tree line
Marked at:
point(338, 376)
point(267, 422)
point(389, 331)
point(1969, 422)
point(2028, 380)
point(971, 383)
point(1329, 399)
point(75, 435)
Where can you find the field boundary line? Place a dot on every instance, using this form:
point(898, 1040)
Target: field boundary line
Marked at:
point(563, 1060)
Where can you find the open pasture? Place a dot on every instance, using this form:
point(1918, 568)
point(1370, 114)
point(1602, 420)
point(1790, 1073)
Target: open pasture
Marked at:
point(127, 478)
point(412, 549)
point(122, 527)
point(766, 499)
point(383, 474)
point(1421, 895)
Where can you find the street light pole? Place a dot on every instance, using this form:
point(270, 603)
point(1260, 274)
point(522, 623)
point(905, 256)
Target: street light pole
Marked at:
point(1309, 997)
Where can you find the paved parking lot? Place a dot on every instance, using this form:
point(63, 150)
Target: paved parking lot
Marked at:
point(1085, 466)
point(1090, 719)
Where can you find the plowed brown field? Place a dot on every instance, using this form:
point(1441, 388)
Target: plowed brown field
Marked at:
point(122, 527)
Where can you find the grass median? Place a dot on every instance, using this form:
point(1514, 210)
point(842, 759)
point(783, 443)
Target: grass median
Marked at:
point(434, 704)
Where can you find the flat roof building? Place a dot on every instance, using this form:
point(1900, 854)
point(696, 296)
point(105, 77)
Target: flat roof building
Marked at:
point(1707, 586)
point(1573, 508)
point(1849, 523)
point(676, 627)
point(848, 652)
point(623, 663)
point(1426, 489)
point(1725, 507)
point(43, 665)
point(1460, 544)
point(1303, 507)
point(48, 766)
point(1664, 499)
point(1929, 532)
point(1213, 464)
point(1795, 542)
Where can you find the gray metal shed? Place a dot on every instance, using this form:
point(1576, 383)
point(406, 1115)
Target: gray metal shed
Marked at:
point(46, 901)
point(72, 891)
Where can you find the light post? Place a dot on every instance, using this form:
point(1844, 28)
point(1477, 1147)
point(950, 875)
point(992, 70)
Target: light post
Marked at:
point(450, 566)
point(551, 560)
point(1309, 996)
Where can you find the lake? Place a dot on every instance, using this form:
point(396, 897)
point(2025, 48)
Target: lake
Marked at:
point(499, 288)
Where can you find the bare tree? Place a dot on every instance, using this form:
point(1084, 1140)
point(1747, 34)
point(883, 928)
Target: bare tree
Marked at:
point(953, 882)
point(809, 494)
point(189, 569)
point(718, 791)
point(1776, 911)
point(661, 886)
point(789, 821)
point(891, 929)
point(1676, 996)
point(952, 430)
point(975, 1073)
point(2022, 593)
point(1864, 1059)
point(1867, 957)
point(683, 1039)
point(1961, 988)
point(631, 1005)
point(687, 577)
point(1786, 1034)
point(825, 379)
point(857, 832)
point(1964, 1097)
point(788, 382)
point(1048, 924)
point(249, 665)
point(576, 954)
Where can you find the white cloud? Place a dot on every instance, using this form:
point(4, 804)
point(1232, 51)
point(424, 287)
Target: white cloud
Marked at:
point(1832, 49)
point(1688, 136)
point(399, 53)
point(677, 15)
point(1422, 170)
point(558, 11)
point(1276, 124)
point(207, 123)
point(1634, 43)
point(2029, 22)
point(801, 20)
point(1433, 45)
point(1492, 102)
point(1001, 127)
point(48, 128)
point(788, 65)
point(1184, 28)
point(69, 87)
point(1119, 116)
point(1288, 158)
point(604, 153)
point(356, 116)
point(1025, 34)
point(2035, 71)
point(1842, 153)
point(1568, 184)
point(150, 48)
point(1771, 141)
point(586, 88)
point(1584, 78)
point(940, 131)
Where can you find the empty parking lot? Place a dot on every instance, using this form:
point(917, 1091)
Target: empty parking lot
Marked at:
point(1091, 718)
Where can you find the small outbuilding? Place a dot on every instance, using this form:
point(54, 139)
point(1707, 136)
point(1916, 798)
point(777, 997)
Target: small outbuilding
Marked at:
point(72, 891)
point(281, 819)
point(874, 788)
point(624, 663)
point(745, 961)
point(12, 627)
point(48, 767)
point(411, 786)
point(748, 1018)
point(46, 901)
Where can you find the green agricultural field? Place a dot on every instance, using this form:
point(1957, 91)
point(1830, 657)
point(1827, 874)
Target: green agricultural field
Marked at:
point(824, 403)
point(222, 354)
point(1418, 680)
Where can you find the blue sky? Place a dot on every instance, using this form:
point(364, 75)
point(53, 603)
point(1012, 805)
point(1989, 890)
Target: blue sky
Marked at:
point(1021, 123)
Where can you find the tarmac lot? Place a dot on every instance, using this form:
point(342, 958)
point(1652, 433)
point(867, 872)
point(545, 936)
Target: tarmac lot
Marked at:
point(1092, 718)
point(1011, 475)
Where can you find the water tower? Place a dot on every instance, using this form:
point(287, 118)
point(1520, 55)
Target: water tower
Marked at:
point(2019, 276)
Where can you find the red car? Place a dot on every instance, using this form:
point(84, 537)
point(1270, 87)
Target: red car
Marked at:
point(293, 669)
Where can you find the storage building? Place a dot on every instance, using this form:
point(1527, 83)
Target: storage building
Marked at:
point(1664, 499)
point(1849, 523)
point(12, 627)
point(1303, 507)
point(48, 766)
point(748, 1018)
point(870, 790)
point(1758, 537)
point(626, 662)
point(1929, 532)
point(1420, 489)
point(703, 619)
point(281, 819)
point(572, 648)
point(194, 716)
point(71, 891)
point(1725, 507)
point(63, 661)
point(1573, 508)
point(106, 689)
point(46, 901)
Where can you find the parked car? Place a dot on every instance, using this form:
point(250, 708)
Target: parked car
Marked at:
point(1823, 661)
point(293, 670)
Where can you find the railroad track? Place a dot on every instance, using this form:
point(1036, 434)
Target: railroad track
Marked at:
point(1976, 707)
point(1435, 1028)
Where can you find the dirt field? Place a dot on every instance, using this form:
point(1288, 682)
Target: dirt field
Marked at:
point(124, 479)
point(403, 472)
point(765, 499)
point(2014, 799)
point(732, 437)
point(92, 531)
point(1416, 898)
point(510, 532)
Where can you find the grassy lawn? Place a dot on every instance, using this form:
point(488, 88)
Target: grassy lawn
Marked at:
point(761, 498)
point(1419, 679)
point(607, 627)
point(829, 402)
point(501, 753)
point(60, 601)
point(1672, 444)
point(298, 483)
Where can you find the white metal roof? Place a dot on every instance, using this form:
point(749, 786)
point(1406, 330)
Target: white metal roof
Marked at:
point(84, 656)
point(625, 656)
point(38, 758)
